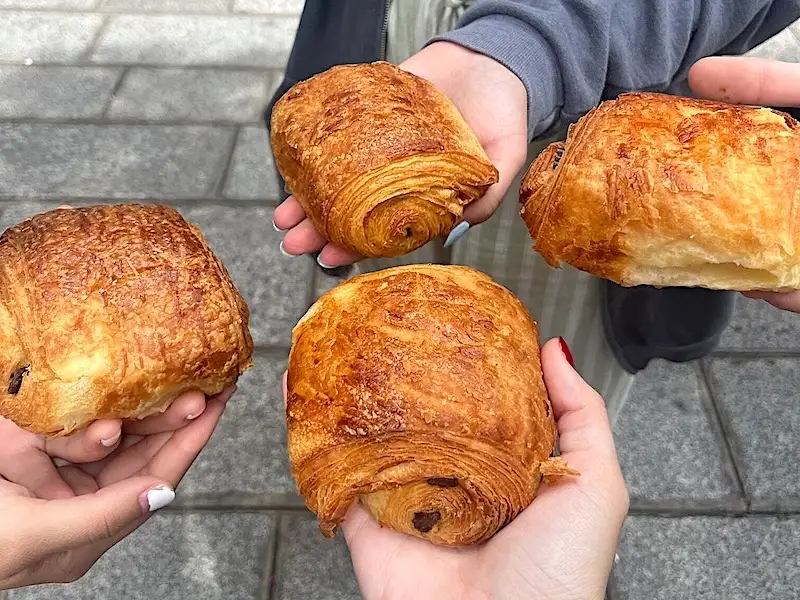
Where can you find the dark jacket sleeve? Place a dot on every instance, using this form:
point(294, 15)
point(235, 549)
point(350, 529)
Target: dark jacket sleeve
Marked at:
point(571, 54)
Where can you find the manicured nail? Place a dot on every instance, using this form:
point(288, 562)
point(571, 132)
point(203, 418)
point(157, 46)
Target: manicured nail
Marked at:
point(322, 264)
point(112, 441)
point(276, 228)
point(455, 235)
point(284, 252)
point(157, 498)
point(286, 189)
point(567, 353)
point(193, 416)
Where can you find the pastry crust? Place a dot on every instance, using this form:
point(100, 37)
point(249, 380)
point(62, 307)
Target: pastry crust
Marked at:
point(672, 191)
point(111, 312)
point(418, 390)
point(381, 161)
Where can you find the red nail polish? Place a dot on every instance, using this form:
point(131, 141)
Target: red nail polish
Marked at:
point(565, 349)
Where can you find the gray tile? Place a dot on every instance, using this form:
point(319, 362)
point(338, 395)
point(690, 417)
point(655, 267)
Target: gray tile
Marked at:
point(269, 6)
point(668, 451)
point(213, 556)
point(111, 161)
point(51, 4)
point(55, 92)
point(191, 94)
point(760, 401)
point(706, 557)
point(43, 37)
point(252, 175)
point(312, 566)
point(247, 454)
point(757, 325)
point(166, 5)
point(275, 287)
point(197, 40)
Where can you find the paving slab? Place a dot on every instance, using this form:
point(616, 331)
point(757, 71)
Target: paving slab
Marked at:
point(55, 92)
point(50, 4)
point(252, 175)
point(710, 558)
point(247, 456)
point(170, 6)
point(213, 556)
point(269, 6)
point(46, 37)
point(311, 566)
point(114, 161)
point(192, 94)
point(757, 325)
point(760, 403)
point(669, 452)
point(196, 40)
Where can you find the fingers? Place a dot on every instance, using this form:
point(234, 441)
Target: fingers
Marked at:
point(579, 410)
point(288, 214)
point(89, 445)
point(35, 471)
point(60, 525)
point(333, 256)
point(508, 156)
point(301, 239)
point(789, 301)
point(180, 413)
point(746, 80)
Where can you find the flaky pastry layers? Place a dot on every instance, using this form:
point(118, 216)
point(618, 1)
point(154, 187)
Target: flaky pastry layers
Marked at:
point(381, 161)
point(672, 191)
point(110, 312)
point(419, 391)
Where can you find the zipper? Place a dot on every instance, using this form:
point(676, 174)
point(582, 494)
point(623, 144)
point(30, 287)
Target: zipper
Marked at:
point(385, 29)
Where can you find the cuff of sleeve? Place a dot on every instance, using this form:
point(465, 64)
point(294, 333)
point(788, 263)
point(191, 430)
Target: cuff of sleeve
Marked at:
point(523, 51)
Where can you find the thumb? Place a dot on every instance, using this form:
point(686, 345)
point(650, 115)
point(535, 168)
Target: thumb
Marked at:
point(579, 410)
point(60, 525)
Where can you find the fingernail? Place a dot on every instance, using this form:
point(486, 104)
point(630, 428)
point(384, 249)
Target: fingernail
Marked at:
point(284, 252)
point(456, 234)
point(286, 189)
point(111, 441)
point(322, 264)
point(157, 498)
point(193, 416)
point(567, 353)
point(276, 228)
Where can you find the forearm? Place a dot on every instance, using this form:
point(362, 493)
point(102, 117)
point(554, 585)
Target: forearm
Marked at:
point(570, 54)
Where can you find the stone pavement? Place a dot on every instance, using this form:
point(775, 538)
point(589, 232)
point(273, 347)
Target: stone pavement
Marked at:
point(159, 100)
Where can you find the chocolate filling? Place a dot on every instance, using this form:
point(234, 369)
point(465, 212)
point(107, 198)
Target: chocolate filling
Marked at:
point(446, 482)
point(15, 382)
point(557, 159)
point(424, 521)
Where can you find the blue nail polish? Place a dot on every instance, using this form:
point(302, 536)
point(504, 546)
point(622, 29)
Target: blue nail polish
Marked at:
point(456, 234)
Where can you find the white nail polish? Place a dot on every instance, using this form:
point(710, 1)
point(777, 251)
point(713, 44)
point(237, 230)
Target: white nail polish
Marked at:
point(159, 497)
point(111, 441)
point(456, 234)
point(322, 264)
point(193, 417)
point(284, 252)
point(276, 228)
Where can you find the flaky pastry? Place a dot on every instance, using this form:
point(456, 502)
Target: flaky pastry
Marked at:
point(418, 390)
point(672, 191)
point(381, 161)
point(111, 312)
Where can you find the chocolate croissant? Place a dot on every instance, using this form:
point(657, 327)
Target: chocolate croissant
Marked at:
point(418, 390)
point(111, 312)
point(381, 161)
point(671, 191)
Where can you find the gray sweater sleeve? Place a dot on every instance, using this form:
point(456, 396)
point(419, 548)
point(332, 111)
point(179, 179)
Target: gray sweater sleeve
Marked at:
point(571, 54)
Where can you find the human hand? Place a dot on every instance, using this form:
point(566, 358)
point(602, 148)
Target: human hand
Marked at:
point(64, 502)
point(492, 100)
point(754, 81)
point(561, 547)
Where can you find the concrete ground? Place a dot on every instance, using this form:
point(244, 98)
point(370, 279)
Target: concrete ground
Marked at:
point(160, 100)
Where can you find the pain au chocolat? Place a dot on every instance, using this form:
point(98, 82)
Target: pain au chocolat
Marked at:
point(418, 391)
point(111, 312)
point(672, 191)
point(381, 161)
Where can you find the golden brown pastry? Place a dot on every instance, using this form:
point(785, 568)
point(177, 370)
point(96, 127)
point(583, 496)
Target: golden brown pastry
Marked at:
point(672, 191)
point(381, 161)
point(419, 391)
point(110, 312)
